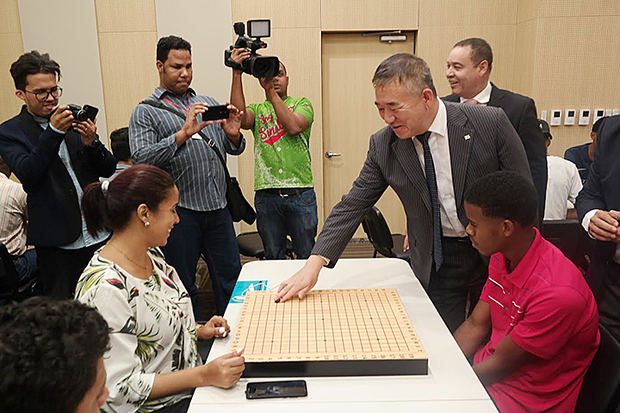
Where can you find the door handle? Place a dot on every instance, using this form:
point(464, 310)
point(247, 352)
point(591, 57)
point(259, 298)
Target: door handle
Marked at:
point(331, 154)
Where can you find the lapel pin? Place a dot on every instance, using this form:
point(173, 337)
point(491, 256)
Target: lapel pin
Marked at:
point(467, 137)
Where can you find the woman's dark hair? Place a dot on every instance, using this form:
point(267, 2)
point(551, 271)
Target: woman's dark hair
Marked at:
point(505, 195)
point(32, 63)
point(111, 208)
point(49, 351)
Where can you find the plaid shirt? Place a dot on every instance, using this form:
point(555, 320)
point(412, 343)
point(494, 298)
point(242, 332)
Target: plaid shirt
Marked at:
point(194, 166)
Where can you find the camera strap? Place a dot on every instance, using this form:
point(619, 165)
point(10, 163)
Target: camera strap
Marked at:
point(207, 139)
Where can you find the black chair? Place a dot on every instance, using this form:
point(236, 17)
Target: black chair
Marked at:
point(378, 233)
point(570, 237)
point(600, 392)
point(11, 289)
point(251, 245)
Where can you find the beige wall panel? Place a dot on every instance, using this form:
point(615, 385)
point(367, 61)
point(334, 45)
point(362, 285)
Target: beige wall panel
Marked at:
point(452, 13)
point(576, 66)
point(128, 71)
point(558, 8)
point(10, 49)
point(435, 42)
point(125, 15)
point(303, 66)
point(9, 17)
point(283, 13)
point(527, 10)
point(363, 15)
point(524, 57)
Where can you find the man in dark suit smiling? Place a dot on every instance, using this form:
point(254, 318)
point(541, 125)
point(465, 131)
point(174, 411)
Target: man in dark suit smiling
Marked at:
point(468, 70)
point(429, 153)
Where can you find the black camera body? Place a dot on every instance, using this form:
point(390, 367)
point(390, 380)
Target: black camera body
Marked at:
point(255, 65)
point(81, 113)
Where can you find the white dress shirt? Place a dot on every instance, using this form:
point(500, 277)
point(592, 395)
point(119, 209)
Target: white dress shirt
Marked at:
point(440, 151)
point(563, 186)
point(483, 97)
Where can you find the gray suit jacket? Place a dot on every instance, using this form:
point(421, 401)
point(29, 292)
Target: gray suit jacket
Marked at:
point(493, 145)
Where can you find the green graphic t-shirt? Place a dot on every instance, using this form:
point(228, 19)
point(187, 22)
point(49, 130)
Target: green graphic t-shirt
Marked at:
point(281, 160)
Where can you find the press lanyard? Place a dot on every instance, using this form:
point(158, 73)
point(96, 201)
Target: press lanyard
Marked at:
point(186, 111)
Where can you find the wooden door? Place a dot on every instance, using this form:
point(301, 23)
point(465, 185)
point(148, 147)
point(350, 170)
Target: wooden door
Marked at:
point(348, 63)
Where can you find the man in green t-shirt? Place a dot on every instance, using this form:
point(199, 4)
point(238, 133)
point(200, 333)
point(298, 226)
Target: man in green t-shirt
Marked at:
point(285, 200)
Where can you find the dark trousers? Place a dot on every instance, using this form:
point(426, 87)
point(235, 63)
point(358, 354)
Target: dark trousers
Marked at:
point(212, 235)
point(60, 269)
point(456, 287)
point(286, 212)
point(609, 300)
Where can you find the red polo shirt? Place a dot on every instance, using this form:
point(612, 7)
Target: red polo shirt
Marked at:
point(548, 310)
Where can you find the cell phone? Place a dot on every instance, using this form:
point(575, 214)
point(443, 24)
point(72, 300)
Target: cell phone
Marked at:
point(216, 112)
point(91, 112)
point(271, 389)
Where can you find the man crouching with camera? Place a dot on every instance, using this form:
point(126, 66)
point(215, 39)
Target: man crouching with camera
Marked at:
point(54, 156)
point(285, 200)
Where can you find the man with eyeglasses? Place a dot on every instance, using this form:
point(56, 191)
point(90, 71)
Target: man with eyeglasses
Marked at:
point(55, 157)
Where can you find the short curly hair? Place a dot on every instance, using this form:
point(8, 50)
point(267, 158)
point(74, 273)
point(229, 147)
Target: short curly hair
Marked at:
point(49, 352)
point(505, 195)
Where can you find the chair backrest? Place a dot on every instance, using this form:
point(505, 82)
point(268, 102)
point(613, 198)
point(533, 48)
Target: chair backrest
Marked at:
point(600, 392)
point(9, 280)
point(570, 237)
point(378, 232)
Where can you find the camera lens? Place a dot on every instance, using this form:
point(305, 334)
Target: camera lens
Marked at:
point(81, 115)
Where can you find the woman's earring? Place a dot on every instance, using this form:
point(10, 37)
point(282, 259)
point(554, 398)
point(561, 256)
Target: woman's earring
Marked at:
point(147, 223)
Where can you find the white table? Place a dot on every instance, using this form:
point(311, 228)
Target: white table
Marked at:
point(450, 386)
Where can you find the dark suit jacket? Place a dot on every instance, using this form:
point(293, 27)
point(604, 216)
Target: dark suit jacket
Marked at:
point(602, 191)
point(521, 111)
point(481, 141)
point(32, 154)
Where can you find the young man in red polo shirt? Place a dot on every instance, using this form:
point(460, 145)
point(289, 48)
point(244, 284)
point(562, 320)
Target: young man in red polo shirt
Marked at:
point(539, 310)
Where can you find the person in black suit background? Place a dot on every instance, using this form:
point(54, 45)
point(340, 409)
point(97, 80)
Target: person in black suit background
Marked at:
point(468, 70)
point(598, 207)
point(54, 156)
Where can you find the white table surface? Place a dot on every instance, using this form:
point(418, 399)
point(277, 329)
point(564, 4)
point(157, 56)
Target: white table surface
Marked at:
point(450, 386)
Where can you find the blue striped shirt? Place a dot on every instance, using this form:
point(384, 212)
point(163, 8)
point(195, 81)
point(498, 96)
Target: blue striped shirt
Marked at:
point(194, 166)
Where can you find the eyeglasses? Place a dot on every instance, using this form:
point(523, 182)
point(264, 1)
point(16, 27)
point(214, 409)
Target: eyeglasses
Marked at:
point(42, 95)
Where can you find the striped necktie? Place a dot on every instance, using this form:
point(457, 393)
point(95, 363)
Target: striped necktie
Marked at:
point(431, 182)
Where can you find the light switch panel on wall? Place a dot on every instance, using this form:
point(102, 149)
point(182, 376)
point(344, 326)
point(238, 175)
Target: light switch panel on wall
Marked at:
point(556, 117)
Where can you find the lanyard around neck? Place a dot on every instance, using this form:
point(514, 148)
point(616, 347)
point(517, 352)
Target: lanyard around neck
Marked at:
point(186, 111)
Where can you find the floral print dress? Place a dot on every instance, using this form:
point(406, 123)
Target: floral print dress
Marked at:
point(152, 329)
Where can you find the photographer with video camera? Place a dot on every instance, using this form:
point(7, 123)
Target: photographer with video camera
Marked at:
point(165, 130)
point(285, 201)
point(55, 156)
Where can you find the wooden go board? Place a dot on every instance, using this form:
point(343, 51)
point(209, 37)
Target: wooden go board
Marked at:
point(361, 332)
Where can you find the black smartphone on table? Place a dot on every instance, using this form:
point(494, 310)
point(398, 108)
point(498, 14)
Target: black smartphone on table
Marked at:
point(216, 112)
point(272, 389)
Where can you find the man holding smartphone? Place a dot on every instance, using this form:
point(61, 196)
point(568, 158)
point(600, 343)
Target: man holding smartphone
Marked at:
point(55, 157)
point(285, 200)
point(171, 142)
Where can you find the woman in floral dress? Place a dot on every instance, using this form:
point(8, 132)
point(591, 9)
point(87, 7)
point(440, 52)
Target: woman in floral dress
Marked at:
point(153, 363)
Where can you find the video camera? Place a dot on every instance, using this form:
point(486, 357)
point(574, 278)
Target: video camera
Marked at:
point(255, 65)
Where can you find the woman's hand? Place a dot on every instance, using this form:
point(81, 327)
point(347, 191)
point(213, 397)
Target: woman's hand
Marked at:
point(216, 327)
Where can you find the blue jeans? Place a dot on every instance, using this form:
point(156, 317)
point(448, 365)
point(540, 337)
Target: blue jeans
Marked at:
point(279, 215)
point(212, 235)
point(26, 265)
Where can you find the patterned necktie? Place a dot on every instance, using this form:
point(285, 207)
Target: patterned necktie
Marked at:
point(431, 182)
point(471, 101)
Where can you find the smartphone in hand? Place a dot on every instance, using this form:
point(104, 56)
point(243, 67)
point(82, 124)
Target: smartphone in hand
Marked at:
point(216, 112)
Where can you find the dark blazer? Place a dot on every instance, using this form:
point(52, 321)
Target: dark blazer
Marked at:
point(32, 154)
point(521, 111)
point(481, 141)
point(602, 191)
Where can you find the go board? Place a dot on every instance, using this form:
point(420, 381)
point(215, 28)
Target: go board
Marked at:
point(361, 332)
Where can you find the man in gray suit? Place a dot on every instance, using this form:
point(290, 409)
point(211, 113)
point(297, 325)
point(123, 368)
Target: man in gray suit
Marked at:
point(429, 153)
